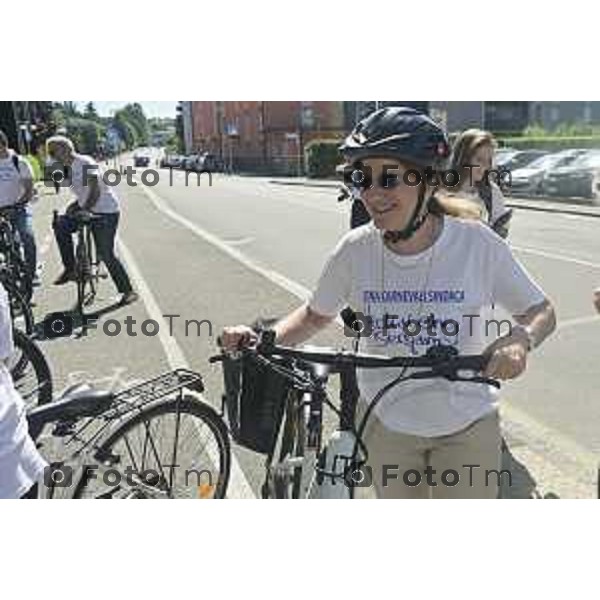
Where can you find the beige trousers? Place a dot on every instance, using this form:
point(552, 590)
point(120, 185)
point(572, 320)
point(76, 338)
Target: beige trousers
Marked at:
point(408, 466)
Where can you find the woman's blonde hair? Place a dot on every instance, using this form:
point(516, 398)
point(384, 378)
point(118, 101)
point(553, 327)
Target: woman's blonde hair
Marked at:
point(445, 203)
point(465, 147)
point(442, 201)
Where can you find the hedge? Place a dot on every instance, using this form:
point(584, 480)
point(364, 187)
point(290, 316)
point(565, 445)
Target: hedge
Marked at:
point(551, 143)
point(322, 157)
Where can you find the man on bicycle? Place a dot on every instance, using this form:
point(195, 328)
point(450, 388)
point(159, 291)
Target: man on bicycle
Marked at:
point(21, 465)
point(94, 196)
point(16, 192)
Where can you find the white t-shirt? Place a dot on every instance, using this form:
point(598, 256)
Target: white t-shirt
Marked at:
point(107, 202)
point(466, 270)
point(11, 180)
point(21, 465)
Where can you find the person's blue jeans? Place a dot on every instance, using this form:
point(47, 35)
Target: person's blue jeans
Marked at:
point(21, 220)
point(104, 230)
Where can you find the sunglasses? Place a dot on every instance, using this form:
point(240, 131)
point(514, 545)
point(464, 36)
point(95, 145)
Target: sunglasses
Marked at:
point(361, 178)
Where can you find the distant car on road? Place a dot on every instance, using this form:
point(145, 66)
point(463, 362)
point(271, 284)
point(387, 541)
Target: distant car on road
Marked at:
point(530, 179)
point(580, 179)
point(141, 160)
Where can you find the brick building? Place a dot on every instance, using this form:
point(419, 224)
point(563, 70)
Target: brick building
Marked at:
point(264, 136)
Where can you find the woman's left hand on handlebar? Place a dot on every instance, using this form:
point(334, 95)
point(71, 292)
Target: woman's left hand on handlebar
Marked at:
point(508, 357)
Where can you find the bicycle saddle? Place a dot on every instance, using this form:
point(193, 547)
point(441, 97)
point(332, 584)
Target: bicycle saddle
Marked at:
point(77, 402)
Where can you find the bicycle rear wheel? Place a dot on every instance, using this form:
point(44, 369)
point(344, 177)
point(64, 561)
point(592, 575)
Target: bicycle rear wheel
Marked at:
point(184, 432)
point(30, 371)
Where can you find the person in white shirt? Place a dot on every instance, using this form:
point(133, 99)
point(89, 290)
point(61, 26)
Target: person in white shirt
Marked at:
point(91, 195)
point(16, 193)
point(21, 465)
point(473, 159)
point(415, 261)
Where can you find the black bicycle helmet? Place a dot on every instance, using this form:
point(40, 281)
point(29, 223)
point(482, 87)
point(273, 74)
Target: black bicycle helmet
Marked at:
point(405, 134)
point(400, 132)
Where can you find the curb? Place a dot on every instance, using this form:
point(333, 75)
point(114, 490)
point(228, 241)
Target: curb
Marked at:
point(586, 208)
point(306, 184)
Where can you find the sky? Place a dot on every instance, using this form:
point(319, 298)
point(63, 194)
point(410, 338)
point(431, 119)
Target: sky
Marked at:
point(151, 108)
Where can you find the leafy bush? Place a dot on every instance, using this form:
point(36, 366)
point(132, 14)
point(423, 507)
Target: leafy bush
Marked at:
point(551, 143)
point(322, 157)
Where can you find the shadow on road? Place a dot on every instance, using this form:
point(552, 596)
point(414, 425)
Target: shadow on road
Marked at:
point(78, 323)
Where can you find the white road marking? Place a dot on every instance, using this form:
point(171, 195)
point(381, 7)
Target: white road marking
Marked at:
point(280, 280)
point(567, 323)
point(540, 439)
point(240, 242)
point(290, 286)
point(238, 484)
point(555, 256)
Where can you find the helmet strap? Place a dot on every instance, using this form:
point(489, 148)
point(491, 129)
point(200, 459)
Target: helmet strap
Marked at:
point(417, 221)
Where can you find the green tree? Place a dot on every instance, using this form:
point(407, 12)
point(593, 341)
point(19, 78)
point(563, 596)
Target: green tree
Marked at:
point(70, 109)
point(126, 130)
point(134, 115)
point(86, 134)
point(90, 112)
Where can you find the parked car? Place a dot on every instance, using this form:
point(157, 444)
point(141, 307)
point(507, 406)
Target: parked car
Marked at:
point(518, 158)
point(192, 163)
point(209, 162)
point(173, 161)
point(530, 179)
point(141, 160)
point(579, 179)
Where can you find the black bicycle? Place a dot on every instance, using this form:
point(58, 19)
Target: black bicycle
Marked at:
point(274, 399)
point(30, 371)
point(14, 275)
point(20, 309)
point(88, 269)
point(87, 265)
point(153, 440)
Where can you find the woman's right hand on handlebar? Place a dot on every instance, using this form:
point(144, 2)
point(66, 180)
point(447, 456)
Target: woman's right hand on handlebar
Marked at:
point(234, 338)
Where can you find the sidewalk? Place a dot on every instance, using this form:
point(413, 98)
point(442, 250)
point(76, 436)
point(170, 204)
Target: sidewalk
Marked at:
point(572, 206)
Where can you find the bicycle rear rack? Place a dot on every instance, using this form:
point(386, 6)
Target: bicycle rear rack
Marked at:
point(129, 400)
point(138, 396)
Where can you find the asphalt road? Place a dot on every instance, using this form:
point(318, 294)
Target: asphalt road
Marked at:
point(244, 247)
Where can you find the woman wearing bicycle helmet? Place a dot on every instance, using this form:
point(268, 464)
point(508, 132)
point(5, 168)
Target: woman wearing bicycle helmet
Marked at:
point(21, 465)
point(473, 160)
point(422, 275)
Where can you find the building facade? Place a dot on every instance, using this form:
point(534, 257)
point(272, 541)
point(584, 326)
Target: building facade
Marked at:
point(260, 136)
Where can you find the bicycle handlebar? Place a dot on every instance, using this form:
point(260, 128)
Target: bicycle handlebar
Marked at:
point(442, 361)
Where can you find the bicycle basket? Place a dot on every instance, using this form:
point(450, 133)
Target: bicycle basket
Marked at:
point(254, 400)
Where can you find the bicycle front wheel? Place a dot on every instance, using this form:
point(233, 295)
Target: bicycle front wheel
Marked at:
point(30, 371)
point(174, 449)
